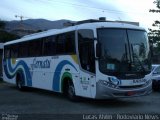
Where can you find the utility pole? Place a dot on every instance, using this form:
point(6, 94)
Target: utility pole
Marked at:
point(21, 21)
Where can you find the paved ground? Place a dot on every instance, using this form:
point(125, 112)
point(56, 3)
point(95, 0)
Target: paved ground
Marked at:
point(37, 101)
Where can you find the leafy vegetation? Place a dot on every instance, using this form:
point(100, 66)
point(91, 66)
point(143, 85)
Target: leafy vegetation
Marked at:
point(4, 35)
point(2, 24)
point(154, 33)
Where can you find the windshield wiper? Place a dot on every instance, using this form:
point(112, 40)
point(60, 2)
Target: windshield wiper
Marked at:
point(135, 55)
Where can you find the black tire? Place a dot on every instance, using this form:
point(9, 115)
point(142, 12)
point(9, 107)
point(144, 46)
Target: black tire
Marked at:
point(71, 91)
point(19, 82)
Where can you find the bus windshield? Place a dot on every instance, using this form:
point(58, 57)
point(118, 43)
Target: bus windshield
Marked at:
point(124, 52)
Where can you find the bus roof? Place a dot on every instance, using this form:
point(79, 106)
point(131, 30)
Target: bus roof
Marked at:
point(93, 26)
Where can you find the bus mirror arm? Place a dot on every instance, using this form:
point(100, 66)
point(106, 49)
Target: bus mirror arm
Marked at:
point(98, 50)
point(95, 39)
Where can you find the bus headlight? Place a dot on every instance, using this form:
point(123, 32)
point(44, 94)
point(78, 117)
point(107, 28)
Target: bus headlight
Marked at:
point(110, 83)
point(114, 81)
point(148, 82)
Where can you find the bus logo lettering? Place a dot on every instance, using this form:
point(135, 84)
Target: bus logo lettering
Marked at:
point(41, 64)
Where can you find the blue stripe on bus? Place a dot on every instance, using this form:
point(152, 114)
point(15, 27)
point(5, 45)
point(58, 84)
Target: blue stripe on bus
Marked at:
point(13, 71)
point(56, 77)
point(6, 70)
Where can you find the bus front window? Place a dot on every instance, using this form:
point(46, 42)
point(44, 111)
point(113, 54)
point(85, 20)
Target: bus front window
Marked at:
point(123, 52)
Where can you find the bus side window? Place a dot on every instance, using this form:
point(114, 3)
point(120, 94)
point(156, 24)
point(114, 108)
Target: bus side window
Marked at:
point(14, 51)
point(70, 43)
point(86, 50)
point(23, 50)
point(6, 52)
point(60, 44)
point(65, 43)
point(49, 46)
point(35, 48)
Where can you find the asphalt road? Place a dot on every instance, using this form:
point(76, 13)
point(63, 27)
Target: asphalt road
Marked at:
point(37, 101)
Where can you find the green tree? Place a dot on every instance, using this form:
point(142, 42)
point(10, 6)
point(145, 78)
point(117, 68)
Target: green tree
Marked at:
point(4, 35)
point(154, 33)
point(2, 24)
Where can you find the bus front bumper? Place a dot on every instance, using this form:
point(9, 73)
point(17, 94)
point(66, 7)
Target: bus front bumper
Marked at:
point(103, 92)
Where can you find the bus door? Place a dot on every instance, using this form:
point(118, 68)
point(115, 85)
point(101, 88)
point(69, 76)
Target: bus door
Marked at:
point(87, 62)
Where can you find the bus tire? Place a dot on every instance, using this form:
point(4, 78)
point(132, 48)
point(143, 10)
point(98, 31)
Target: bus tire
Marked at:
point(19, 82)
point(71, 91)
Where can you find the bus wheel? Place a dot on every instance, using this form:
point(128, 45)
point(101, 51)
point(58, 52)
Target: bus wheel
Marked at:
point(71, 91)
point(19, 82)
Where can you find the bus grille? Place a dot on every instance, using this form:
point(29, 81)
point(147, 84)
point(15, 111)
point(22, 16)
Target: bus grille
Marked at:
point(129, 87)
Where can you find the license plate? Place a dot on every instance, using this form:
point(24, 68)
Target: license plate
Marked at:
point(139, 81)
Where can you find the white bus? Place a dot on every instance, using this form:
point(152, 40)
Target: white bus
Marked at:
point(95, 60)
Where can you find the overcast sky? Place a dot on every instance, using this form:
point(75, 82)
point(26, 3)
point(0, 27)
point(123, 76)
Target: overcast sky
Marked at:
point(128, 10)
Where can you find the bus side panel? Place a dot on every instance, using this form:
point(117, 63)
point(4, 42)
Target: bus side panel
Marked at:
point(12, 67)
point(47, 73)
point(65, 67)
point(8, 80)
point(42, 72)
point(68, 67)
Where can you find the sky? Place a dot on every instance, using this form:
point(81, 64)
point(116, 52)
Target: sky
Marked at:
point(126, 10)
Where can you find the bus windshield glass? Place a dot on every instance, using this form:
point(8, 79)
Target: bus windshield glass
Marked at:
point(124, 51)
